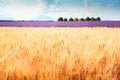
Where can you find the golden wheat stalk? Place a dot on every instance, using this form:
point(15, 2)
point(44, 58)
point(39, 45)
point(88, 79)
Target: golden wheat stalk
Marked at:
point(59, 53)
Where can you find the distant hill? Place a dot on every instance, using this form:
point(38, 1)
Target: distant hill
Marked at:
point(40, 18)
point(5, 18)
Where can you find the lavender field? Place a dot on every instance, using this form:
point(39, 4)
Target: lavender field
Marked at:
point(61, 24)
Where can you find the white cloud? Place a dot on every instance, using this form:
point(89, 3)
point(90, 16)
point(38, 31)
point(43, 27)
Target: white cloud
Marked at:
point(21, 10)
point(53, 8)
point(86, 3)
point(96, 5)
point(56, 1)
point(110, 5)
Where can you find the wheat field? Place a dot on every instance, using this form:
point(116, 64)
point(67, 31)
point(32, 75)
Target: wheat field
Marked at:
point(59, 53)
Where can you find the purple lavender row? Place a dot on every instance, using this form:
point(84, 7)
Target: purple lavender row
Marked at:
point(62, 24)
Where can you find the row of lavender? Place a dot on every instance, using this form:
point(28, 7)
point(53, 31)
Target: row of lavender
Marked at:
point(61, 24)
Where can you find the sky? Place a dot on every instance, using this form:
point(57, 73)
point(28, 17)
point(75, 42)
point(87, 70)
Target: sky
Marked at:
point(52, 9)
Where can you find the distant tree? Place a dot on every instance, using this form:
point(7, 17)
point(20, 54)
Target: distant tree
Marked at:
point(98, 19)
point(81, 19)
point(87, 19)
point(70, 19)
point(65, 19)
point(92, 19)
point(75, 19)
point(60, 19)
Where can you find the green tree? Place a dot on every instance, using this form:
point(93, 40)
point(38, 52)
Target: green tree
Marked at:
point(98, 19)
point(70, 19)
point(60, 19)
point(75, 19)
point(87, 19)
point(81, 19)
point(92, 19)
point(65, 19)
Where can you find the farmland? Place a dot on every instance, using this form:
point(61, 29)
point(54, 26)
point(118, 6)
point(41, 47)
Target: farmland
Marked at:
point(65, 53)
point(60, 24)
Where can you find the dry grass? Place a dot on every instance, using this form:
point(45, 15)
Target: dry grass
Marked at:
point(59, 53)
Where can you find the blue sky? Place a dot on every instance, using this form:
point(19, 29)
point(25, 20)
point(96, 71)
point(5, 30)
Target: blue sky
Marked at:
point(52, 9)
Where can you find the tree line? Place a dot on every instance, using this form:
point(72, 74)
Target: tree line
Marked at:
point(79, 19)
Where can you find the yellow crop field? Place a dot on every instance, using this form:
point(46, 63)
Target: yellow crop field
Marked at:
point(59, 53)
